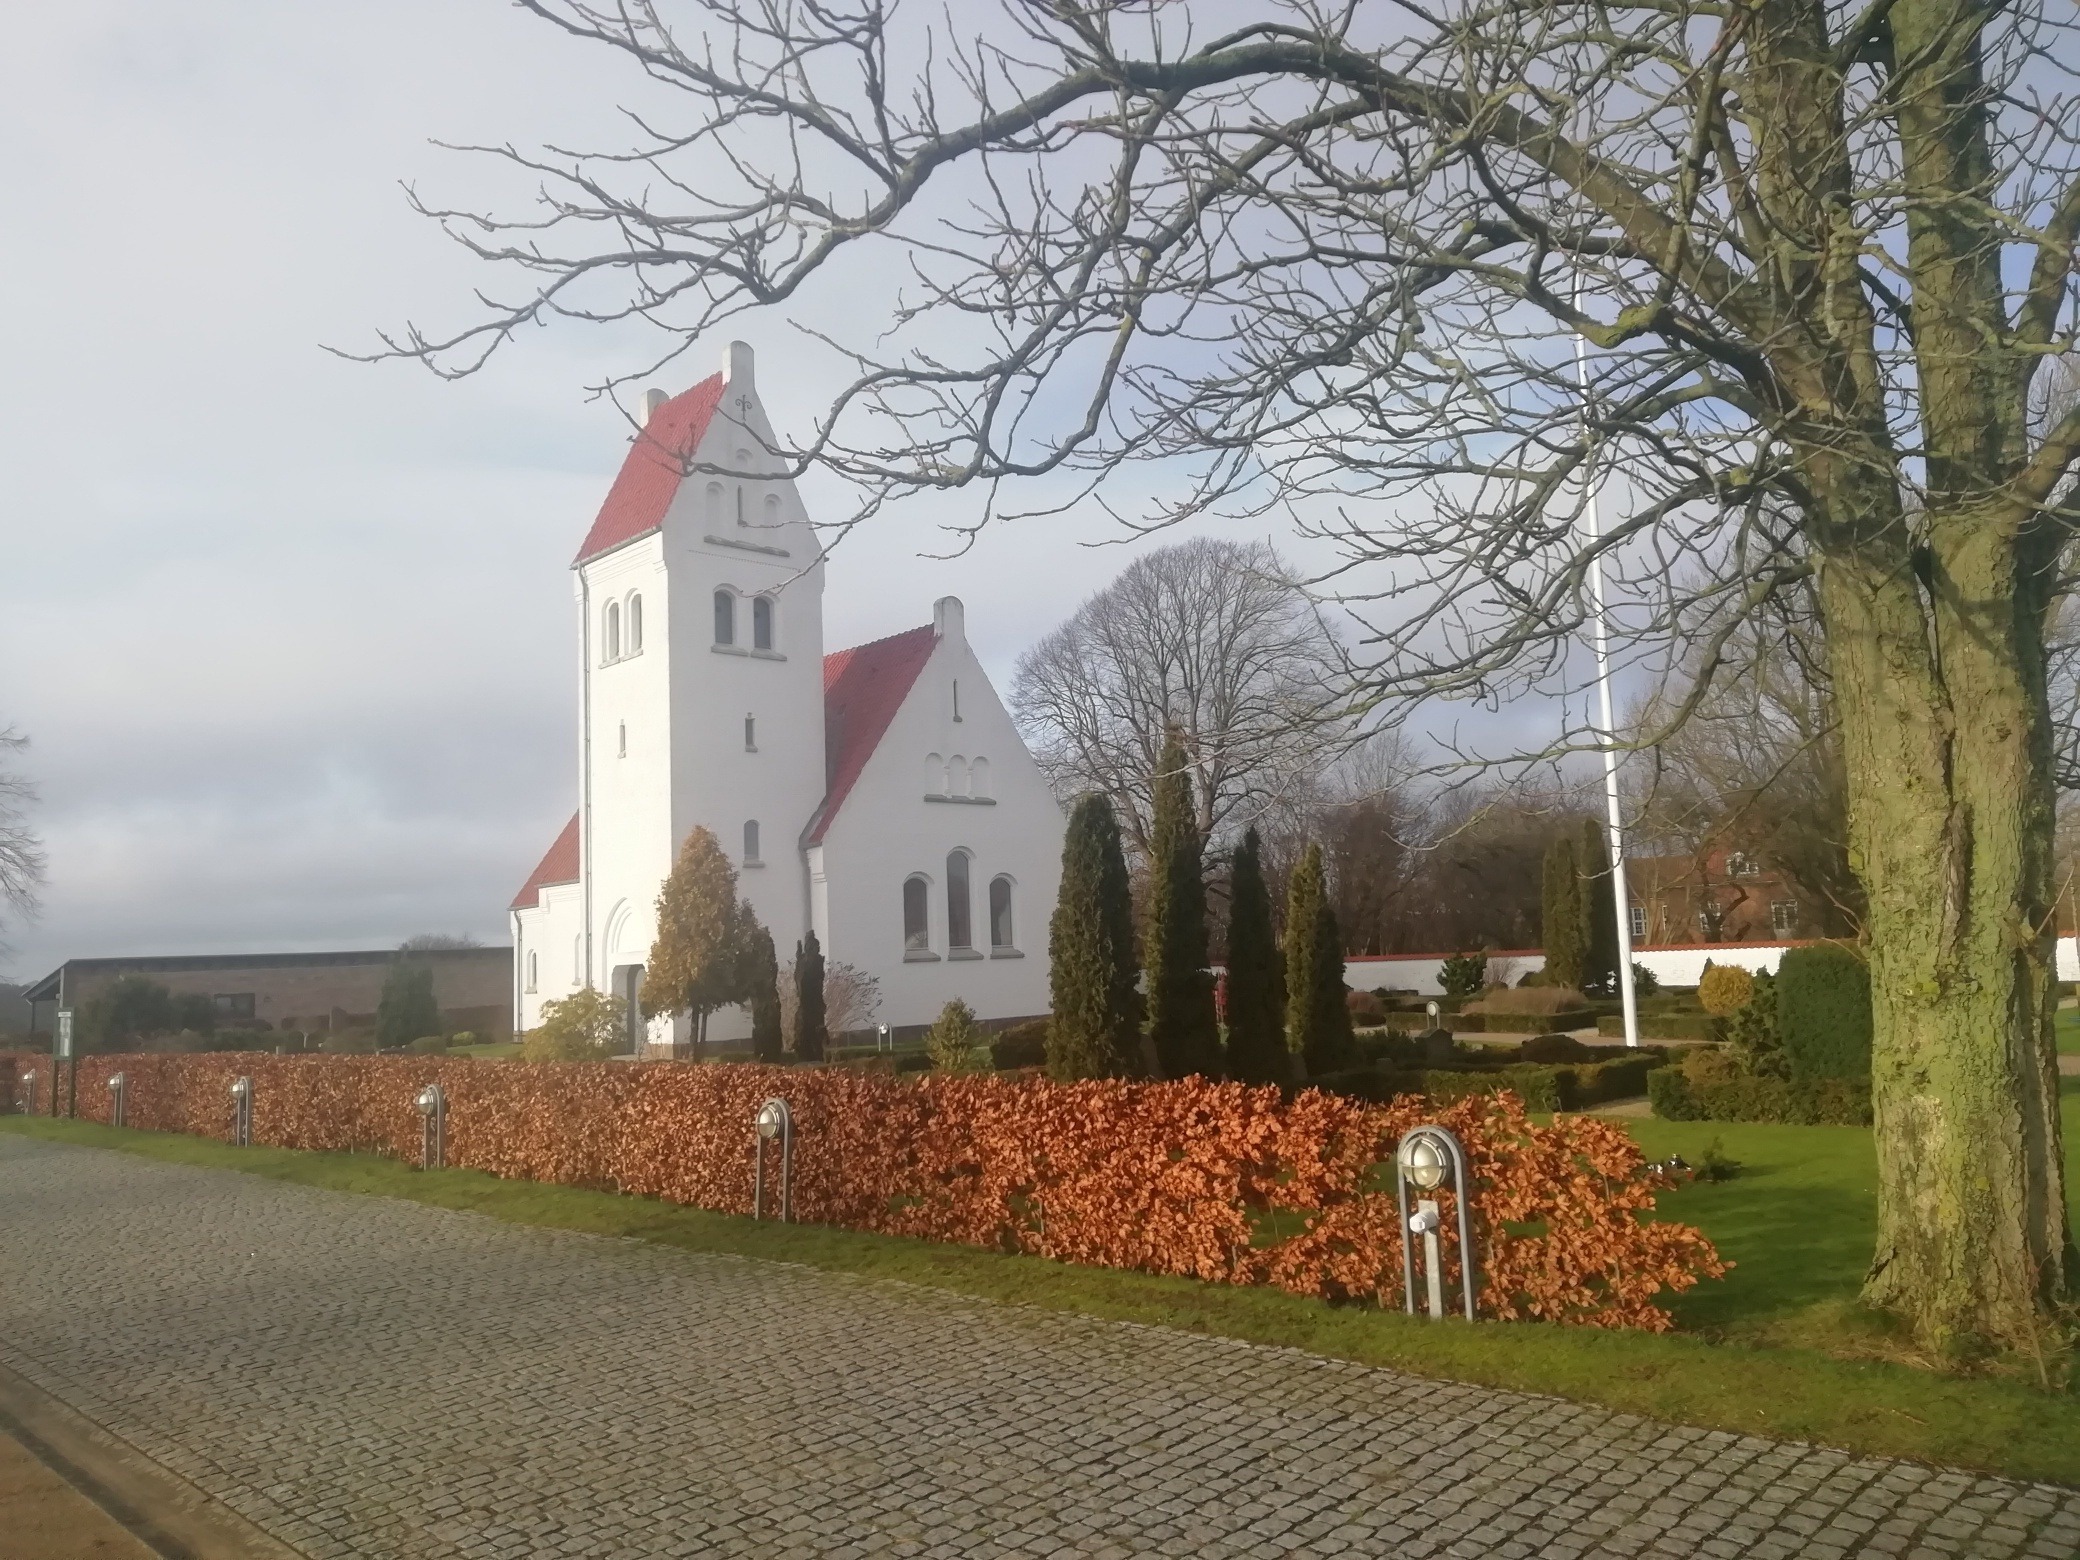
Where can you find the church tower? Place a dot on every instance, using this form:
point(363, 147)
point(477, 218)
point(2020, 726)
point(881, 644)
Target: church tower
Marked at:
point(700, 593)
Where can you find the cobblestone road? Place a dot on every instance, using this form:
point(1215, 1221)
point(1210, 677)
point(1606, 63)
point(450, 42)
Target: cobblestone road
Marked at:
point(365, 1377)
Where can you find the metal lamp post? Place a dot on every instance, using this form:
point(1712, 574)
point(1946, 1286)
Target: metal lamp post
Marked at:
point(242, 1112)
point(118, 1087)
point(1427, 1158)
point(433, 1112)
point(775, 1120)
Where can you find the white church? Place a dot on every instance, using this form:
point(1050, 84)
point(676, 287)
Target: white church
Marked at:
point(879, 794)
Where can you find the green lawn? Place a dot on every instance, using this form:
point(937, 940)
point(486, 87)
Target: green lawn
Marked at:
point(1797, 1220)
point(2069, 1031)
point(498, 1051)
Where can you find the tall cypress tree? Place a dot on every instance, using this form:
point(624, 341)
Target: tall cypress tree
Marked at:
point(1561, 918)
point(810, 1038)
point(1256, 983)
point(1181, 1023)
point(1091, 946)
point(1318, 1016)
point(762, 983)
point(1600, 912)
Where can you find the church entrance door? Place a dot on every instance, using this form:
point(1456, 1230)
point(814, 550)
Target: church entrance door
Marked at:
point(628, 986)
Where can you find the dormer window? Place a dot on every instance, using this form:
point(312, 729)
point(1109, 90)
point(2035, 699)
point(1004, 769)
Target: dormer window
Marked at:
point(725, 618)
point(761, 622)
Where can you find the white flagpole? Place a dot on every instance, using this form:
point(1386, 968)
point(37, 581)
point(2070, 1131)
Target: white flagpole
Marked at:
point(1621, 896)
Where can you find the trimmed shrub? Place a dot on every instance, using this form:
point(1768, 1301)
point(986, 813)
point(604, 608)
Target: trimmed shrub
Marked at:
point(1024, 1045)
point(1666, 1026)
point(1527, 1023)
point(1463, 974)
point(954, 1044)
point(1179, 1178)
point(1366, 1009)
point(1553, 1048)
point(1541, 999)
point(425, 1045)
point(1711, 1087)
point(1824, 1012)
point(1724, 989)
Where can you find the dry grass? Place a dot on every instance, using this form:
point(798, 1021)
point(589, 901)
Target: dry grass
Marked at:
point(1528, 999)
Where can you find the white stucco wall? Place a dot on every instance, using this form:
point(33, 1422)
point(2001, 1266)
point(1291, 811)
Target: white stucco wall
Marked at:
point(550, 932)
point(886, 831)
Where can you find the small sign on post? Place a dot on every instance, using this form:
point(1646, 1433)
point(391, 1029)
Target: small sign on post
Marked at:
point(61, 1041)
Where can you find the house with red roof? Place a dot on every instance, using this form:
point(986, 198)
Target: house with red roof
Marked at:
point(878, 794)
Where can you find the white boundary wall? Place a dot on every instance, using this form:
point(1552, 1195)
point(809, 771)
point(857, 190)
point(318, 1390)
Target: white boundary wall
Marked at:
point(1680, 964)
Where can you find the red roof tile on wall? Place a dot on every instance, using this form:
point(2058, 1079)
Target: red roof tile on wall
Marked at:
point(651, 474)
point(559, 866)
point(862, 689)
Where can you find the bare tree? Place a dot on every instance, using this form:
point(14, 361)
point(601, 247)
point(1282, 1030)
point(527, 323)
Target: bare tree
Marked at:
point(1757, 767)
point(1335, 260)
point(22, 860)
point(1212, 637)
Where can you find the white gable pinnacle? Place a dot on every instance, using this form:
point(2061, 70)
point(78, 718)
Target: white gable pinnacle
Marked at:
point(738, 365)
point(949, 620)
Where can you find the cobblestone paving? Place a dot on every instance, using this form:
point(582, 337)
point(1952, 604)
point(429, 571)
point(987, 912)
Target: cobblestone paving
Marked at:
point(365, 1377)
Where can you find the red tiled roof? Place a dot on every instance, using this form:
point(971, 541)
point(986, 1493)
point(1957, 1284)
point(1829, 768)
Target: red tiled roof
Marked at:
point(559, 866)
point(862, 689)
point(650, 475)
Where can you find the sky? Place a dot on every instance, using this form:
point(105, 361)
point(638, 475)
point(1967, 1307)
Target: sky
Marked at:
point(291, 636)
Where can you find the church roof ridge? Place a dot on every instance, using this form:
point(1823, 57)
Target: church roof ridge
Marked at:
point(653, 468)
point(559, 865)
point(863, 687)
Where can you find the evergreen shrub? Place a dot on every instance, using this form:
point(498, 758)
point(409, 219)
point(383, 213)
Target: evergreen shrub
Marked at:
point(1824, 1012)
point(1463, 974)
point(1022, 1045)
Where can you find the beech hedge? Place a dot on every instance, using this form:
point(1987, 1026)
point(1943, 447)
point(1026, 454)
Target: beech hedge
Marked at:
point(1180, 1178)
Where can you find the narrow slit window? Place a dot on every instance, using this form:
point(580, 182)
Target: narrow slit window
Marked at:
point(956, 698)
point(959, 930)
point(917, 933)
point(534, 969)
point(621, 746)
point(1000, 913)
point(725, 618)
point(751, 839)
point(762, 623)
point(750, 734)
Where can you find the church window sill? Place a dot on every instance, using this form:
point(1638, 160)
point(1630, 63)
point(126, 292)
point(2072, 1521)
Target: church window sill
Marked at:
point(1005, 953)
point(919, 956)
point(754, 864)
point(765, 655)
point(964, 953)
point(966, 801)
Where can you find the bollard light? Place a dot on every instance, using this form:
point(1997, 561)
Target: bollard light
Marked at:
point(433, 1109)
point(28, 1094)
point(242, 1112)
point(1434, 1011)
point(773, 1122)
point(117, 1088)
point(1426, 1159)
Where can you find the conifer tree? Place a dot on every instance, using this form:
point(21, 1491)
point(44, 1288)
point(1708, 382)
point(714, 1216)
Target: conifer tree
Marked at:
point(1562, 918)
point(1318, 1019)
point(696, 963)
point(762, 983)
point(1091, 945)
point(810, 1038)
point(1181, 1024)
point(1599, 911)
point(1256, 982)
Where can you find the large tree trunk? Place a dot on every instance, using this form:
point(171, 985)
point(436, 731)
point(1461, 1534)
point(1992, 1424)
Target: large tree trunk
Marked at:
point(1938, 659)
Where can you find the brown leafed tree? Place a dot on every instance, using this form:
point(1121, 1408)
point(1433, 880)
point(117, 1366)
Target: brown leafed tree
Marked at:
point(1334, 262)
point(696, 965)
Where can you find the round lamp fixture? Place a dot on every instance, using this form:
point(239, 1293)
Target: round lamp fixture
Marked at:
point(1424, 1163)
point(772, 1116)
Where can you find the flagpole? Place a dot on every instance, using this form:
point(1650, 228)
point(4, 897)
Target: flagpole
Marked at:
point(1614, 821)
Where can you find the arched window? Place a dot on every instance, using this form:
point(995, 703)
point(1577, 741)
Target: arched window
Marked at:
point(725, 618)
point(960, 933)
point(578, 959)
point(934, 775)
point(917, 931)
point(714, 505)
point(772, 509)
point(635, 624)
point(956, 776)
point(750, 840)
point(610, 633)
point(761, 622)
point(1000, 913)
point(978, 777)
point(534, 969)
